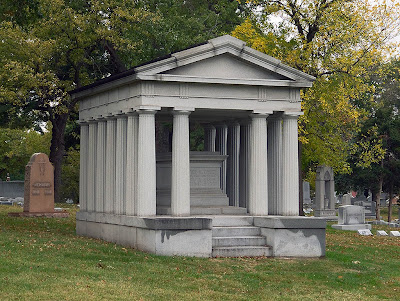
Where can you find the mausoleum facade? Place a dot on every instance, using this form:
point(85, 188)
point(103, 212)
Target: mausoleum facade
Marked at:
point(172, 202)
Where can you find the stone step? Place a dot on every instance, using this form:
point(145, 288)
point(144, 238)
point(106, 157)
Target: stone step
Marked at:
point(241, 251)
point(239, 241)
point(214, 210)
point(231, 220)
point(235, 231)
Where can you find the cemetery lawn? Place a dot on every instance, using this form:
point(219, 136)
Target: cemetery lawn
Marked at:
point(43, 259)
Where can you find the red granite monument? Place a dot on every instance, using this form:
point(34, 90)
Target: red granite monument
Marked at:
point(39, 188)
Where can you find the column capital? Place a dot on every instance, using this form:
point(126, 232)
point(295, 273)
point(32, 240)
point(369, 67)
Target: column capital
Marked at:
point(293, 115)
point(82, 122)
point(259, 115)
point(181, 112)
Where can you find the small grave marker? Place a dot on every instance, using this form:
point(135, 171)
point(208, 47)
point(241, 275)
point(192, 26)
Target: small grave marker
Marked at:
point(365, 232)
point(381, 233)
point(394, 233)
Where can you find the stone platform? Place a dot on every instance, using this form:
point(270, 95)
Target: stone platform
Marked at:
point(353, 227)
point(39, 214)
point(209, 235)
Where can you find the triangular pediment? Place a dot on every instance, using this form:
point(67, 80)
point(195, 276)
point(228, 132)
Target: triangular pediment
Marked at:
point(225, 66)
point(224, 57)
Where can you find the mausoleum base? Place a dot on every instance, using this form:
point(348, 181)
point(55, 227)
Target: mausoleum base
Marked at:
point(40, 214)
point(293, 236)
point(353, 227)
point(193, 236)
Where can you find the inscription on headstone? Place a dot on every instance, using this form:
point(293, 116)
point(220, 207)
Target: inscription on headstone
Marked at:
point(39, 185)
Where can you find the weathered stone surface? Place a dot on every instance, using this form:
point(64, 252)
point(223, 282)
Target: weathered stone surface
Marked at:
point(350, 214)
point(39, 185)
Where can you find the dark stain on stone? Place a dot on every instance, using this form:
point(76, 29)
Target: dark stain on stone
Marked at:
point(168, 234)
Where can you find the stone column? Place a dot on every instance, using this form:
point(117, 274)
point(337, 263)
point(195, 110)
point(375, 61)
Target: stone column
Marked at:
point(221, 147)
point(244, 162)
point(146, 182)
point(83, 170)
point(131, 167)
point(110, 165)
point(180, 180)
point(275, 165)
point(91, 172)
point(120, 165)
point(258, 174)
point(100, 165)
point(290, 166)
point(209, 137)
point(233, 151)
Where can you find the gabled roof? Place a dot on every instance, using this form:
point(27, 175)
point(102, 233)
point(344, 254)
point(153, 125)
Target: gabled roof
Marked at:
point(255, 67)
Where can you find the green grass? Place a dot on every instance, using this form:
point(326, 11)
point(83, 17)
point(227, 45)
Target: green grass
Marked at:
point(43, 259)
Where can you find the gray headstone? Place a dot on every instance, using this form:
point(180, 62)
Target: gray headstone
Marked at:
point(381, 233)
point(364, 232)
point(306, 193)
point(351, 215)
point(394, 233)
point(346, 199)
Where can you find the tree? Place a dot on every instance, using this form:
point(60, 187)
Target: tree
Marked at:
point(17, 147)
point(376, 151)
point(63, 45)
point(337, 41)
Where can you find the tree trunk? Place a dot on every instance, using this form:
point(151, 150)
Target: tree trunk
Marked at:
point(377, 197)
point(57, 149)
point(390, 204)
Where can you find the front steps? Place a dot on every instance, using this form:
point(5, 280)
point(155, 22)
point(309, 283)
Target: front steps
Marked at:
point(235, 236)
point(210, 210)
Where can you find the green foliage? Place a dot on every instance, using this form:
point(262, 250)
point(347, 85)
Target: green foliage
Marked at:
point(16, 148)
point(338, 42)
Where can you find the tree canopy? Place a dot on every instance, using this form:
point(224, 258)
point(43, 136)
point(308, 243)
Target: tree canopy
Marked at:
point(337, 41)
point(50, 47)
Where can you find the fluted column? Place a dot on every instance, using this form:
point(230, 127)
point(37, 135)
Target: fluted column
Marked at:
point(110, 165)
point(233, 151)
point(83, 171)
point(221, 147)
point(146, 195)
point(91, 173)
point(100, 165)
point(258, 175)
point(209, 137)
point(290, 167)
point(244, 162)
point(131, 167)
point(120, 165)
point(180, 180)
point(275, 165)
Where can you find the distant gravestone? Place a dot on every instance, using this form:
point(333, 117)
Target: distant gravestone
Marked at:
point(351, 218)
point(394, 233)
point(39, 187)
point(306, 193)
point(381, 233)
point(346, 199)
point(364, 232)
point(325, 193)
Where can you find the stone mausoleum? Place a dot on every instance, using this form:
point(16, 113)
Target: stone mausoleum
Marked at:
point(238, 197)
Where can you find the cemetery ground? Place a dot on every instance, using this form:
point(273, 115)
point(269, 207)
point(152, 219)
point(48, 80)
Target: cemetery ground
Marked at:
point(43, 259)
